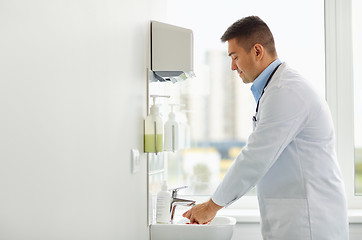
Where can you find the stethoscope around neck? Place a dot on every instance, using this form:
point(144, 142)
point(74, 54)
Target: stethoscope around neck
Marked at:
point(266, 84)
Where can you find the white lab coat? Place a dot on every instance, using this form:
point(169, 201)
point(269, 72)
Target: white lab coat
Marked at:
point(291, 158)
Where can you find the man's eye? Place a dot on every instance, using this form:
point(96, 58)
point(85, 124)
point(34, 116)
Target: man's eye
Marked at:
point(235, 58)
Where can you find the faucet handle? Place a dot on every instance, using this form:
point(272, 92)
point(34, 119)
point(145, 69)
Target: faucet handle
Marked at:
point(175, 190)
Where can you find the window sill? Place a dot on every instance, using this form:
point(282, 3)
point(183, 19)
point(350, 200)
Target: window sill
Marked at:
point(253, 215)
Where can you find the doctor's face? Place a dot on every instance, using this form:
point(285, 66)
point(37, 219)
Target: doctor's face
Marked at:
point(242, 61)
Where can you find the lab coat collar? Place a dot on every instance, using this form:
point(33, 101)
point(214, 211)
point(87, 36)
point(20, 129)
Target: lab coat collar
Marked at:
point(260, 81)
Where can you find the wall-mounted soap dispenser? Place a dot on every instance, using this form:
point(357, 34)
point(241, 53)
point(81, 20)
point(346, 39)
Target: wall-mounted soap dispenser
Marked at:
point(171, 52)
point(172, 136)
point(154, 128)
point(184, 131)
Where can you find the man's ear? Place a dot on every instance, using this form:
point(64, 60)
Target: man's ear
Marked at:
point(258, 50)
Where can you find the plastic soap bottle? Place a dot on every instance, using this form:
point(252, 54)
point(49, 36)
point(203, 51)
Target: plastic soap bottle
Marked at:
point(185, 134)
point(172, 132)
point(163, 205)
point(154, 129)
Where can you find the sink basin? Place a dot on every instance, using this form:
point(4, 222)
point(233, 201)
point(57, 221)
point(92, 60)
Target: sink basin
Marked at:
point(221, 228)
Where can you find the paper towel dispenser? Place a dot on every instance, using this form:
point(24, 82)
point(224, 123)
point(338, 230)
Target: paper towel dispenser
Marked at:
point(172, 52)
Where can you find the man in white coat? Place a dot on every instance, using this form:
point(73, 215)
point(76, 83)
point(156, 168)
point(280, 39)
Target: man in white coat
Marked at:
point(290, 155)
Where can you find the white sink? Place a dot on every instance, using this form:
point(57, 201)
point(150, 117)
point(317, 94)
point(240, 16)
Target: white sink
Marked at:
point(221, 228)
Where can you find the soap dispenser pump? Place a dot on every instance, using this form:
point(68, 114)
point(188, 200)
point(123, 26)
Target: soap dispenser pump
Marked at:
point(154, 128)
point(172, 132)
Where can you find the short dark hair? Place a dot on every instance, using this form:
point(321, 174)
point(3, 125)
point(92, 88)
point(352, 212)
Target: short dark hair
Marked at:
point(249, 31)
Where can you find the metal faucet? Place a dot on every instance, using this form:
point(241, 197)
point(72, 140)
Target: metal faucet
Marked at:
point(178, 201)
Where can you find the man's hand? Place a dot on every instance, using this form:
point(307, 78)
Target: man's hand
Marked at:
point(202, 213)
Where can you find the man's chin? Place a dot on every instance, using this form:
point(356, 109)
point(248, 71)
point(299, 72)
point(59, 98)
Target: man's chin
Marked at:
point(245, 80)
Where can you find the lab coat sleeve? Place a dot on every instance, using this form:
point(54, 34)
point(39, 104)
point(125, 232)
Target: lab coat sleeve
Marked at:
point(282, 115)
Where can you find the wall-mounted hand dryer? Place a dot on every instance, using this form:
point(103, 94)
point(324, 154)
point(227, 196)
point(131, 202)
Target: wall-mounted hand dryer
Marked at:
point(172, 52)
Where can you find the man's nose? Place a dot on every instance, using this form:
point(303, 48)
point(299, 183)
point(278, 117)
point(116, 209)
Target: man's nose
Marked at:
point(233, 66)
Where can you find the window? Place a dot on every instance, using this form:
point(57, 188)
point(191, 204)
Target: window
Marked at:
point(219, 106)
point(357, 76)
point(343, 87)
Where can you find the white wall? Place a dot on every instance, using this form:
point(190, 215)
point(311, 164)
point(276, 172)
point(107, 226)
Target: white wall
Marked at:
point(72, 103)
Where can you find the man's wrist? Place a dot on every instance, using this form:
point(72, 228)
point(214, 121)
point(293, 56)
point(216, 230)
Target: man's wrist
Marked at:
point(213, 206)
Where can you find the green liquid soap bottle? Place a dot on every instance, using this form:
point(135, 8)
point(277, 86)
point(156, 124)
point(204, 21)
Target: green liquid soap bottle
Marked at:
point(154, 129)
